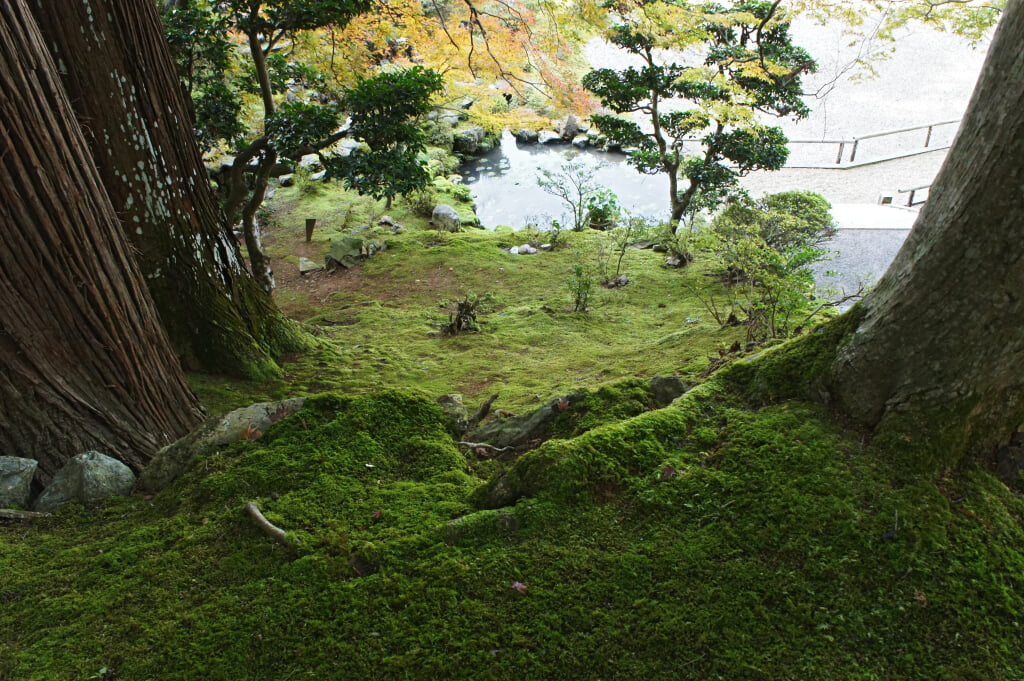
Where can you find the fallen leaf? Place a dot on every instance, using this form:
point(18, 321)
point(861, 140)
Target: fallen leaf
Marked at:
point(519, 586)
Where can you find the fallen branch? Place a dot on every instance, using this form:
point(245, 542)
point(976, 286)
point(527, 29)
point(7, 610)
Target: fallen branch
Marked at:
point(491, 449)
point(268, 528)
point(481, 413)
point(12, 514)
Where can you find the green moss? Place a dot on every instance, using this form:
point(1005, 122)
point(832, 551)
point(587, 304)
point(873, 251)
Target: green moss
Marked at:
point(703, 540)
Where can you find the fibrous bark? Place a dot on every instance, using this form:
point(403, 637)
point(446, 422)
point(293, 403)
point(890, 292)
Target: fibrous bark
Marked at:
point(938, 358)
point(120, 77)
point(84, 362)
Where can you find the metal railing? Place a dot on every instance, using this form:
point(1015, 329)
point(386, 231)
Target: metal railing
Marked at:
point(854, 142)
point(914, 192)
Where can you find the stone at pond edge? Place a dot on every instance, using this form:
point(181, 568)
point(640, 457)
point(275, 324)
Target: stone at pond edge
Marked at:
point(16, 481)
point(174, 459)
point(526, 136)
point(286, 180)
point(666, 389)
point(548, 137)
point(446, 218)
point(455, 413)
point(90, 478)
point(469, 140)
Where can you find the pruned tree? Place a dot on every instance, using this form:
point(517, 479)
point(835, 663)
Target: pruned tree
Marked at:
point(122, 85)
point(384, 115)
point(84, 362)
point(748, 66)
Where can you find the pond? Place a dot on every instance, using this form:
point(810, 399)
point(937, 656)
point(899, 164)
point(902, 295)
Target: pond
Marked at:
point(504, 184)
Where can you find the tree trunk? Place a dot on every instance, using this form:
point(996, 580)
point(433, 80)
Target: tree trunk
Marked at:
point(938, 357)
point(120, 78)
point(84, 363)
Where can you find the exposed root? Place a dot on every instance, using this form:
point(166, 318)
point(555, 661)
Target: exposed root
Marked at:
point(267, 527)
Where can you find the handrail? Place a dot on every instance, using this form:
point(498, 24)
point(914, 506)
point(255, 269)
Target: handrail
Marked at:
point(913, 191)
point(855, 141)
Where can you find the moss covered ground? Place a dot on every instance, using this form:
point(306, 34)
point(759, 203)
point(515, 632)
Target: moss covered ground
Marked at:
point(740, 533)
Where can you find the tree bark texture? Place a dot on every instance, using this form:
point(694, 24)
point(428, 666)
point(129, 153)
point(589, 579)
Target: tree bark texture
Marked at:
point(84, 362)
point(120, 77)
point(938, 357)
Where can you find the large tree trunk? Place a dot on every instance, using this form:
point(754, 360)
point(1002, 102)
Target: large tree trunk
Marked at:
point(84, 363)
point(120, 77)
point(938, 357)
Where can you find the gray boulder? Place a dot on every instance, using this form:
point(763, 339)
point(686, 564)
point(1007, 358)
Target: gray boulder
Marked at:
point(16, 481)
point(548, 137)
point(455, 413)
point(90, 478)
point(526, 136)
point(311, 162)
point(467, 141)
point(362, 242)
point(248, 422)
point(570, 128)
point(306, 266)
point(581, 141)
point(286, 180)
point(666, 389)
point(446, 218)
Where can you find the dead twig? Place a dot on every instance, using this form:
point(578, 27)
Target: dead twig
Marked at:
point(268, 528)
point(482, 412)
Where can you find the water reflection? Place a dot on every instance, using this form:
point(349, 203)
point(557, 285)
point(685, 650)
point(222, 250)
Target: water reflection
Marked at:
point(504, 183)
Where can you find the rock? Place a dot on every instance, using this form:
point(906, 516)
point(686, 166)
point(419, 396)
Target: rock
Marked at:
point(666, 389)
point(311, 162)
point(286, 180)
point(674, 261)
point(345, 147)
point(659, 248)
point(525, 136)
point(581, 141)
point(174, 459)
point(16, 481)
point(451, 119)
point(527, 249)
point(467, 141)
point(362, 242)
point(514, 250)
point(455, 413)
point(570, 128)
point(526, 429)
point(545, 247)
point(386, 220)
point(548, 137)
point(318, 176)
point(306, 266)
point(446, 218)
point(90, 478)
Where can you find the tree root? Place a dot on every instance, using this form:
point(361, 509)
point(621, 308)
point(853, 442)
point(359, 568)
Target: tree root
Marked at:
point(12, 514)
point(481, 413)
point(490, 449)
point(267, 527)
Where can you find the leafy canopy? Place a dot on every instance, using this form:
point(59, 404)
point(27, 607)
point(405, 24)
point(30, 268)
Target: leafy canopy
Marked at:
point(748, 66)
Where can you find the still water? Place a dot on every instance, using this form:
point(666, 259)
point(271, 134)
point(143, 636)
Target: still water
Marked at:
point(504, 184)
